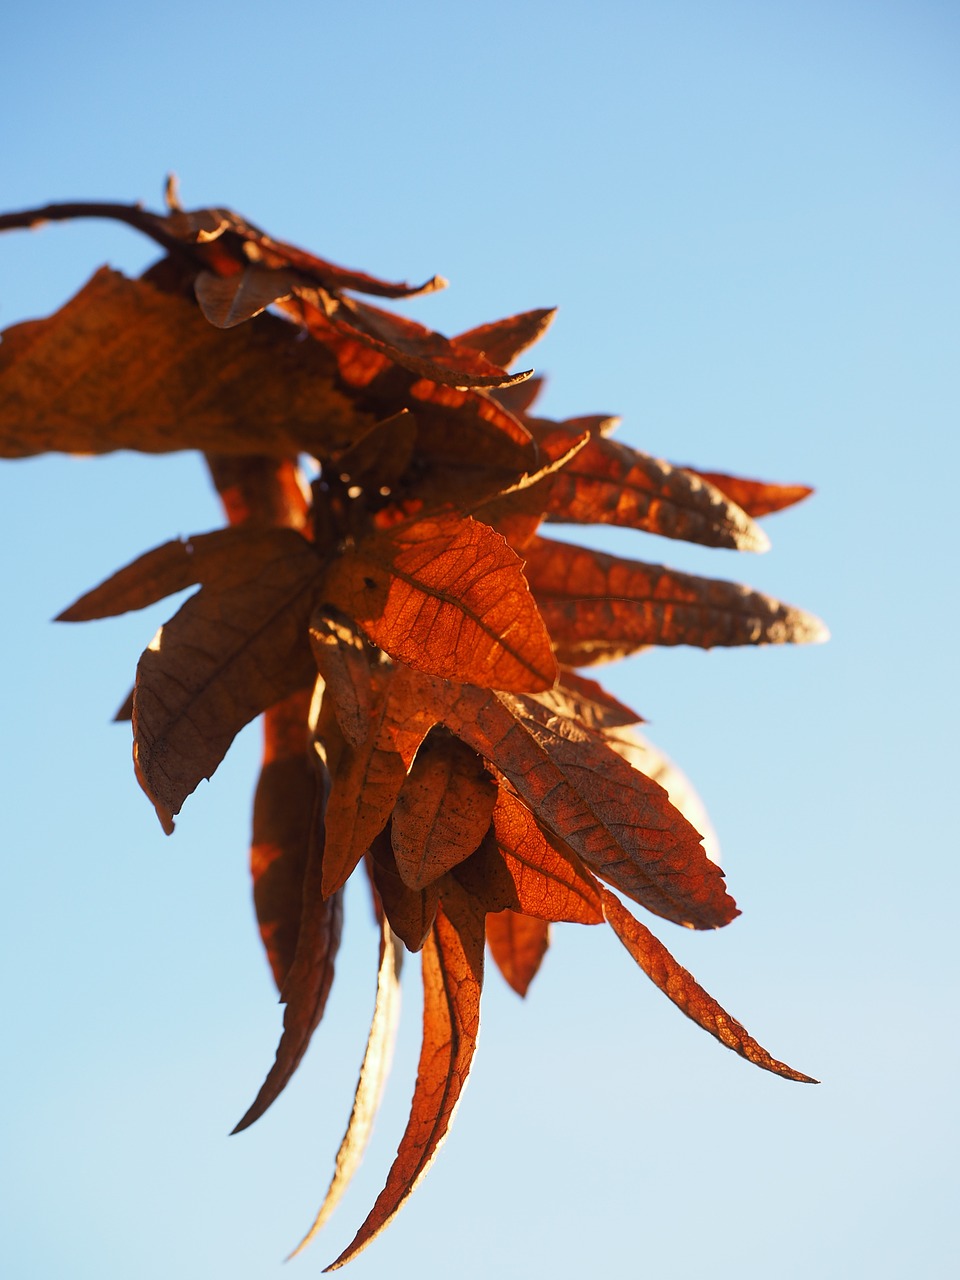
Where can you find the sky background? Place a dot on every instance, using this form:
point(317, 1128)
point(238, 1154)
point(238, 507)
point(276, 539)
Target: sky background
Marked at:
point(747, 214)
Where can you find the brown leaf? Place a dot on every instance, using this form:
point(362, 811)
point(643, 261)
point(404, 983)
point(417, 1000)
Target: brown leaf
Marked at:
point(223, 658)
point(261, 490)
point(452, 982)
point(620, 823)
point(518, 944)
point(446, 596)
point(285, 806)
point(518, 399)
point(126, 366)
point(307, 985)
point(443, 810)
point(373, 1076)
point(227, 301)
point(504, 341)
point(680, 987)
point(598, 607)
point(756, 497)
point(411, 912)
point(395, 340)
point(609, 483)
point(342, 660)
point(219, 558)
point(367, 779)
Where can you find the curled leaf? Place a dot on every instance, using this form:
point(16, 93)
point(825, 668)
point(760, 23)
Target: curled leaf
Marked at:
point(452, 982)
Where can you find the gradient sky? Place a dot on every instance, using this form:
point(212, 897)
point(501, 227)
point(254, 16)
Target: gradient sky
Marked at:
point(747, 214)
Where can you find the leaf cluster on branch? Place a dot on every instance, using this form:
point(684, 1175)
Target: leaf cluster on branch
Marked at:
point(383, 597)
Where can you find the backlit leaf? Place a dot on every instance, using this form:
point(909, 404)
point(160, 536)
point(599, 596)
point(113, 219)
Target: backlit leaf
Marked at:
point(687, 994)
point(447, 596)
point(518, 944)
point(598, 607)
point(373, 1076)
point(756, 497)
point(443, 810)
point(452, 982)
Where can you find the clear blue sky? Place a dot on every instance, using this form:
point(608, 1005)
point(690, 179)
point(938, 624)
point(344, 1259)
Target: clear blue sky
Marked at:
point(747, 214)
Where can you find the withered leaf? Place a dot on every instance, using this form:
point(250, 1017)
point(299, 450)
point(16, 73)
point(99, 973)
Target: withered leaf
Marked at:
point(227, 655)
point(598, 606)
point(227, 301)
point(367, 778)
point(285, 809)
point(610, 483)
point(447, 596)
point(443, 810)
point(219, 558)
point(518, 944)
point(756, 497)
point(342, 660)
point(373, 1076)
point(687, 994)
point(126, 366)
point(617, 821)
point(503, 341)
point(411, 912)
point(452, 982)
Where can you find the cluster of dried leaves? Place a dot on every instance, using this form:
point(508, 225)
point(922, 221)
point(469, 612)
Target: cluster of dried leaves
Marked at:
point(408, 636)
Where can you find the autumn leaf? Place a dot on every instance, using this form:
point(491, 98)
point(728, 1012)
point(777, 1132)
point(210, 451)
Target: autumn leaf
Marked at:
point(676, 983)
point(373, 1077)
point(446, 596)
point(598, 606)
point(126, 366)
point(383, 598)
point(518, 944)
point(452, 982)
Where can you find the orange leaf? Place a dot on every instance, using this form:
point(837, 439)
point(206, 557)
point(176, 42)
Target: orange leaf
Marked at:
point(127, 366)
point(223, 658)
point(504, 340)
point(609, 483)
point(598, 607)
point(446, 596)
point(518, 944)
point(443, 810)
point(620, 823)
point(373, 1075)
point(367, 779)
point(305, 990)
point(284, 813)
point(452, 982)
point(411, 912)
point(677, 984)
point(756, 497)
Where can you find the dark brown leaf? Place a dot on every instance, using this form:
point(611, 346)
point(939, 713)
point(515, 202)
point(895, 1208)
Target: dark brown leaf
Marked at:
point(598, 607)
point(285, 807)
point(452, 982)
point(676, 983)
point(126, 366)
point(225, 657)
point(343, 662)
point(227, 301)
point(411, 912)
point(447, 596)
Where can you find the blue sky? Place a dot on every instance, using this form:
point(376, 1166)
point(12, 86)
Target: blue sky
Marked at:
point(747, 215)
